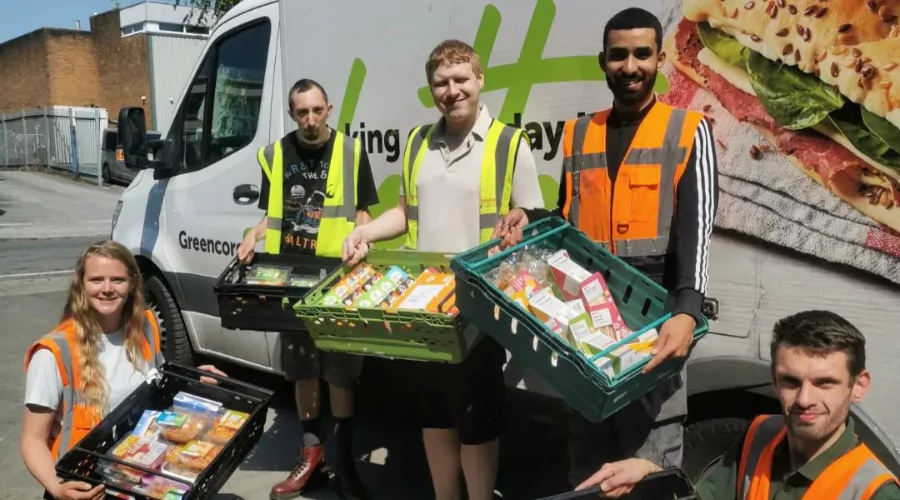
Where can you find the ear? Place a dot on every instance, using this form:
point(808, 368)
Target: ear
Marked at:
point(329, 108)
point(661, 61)
point(480, 80)
point(601, 59)
point(861, 386)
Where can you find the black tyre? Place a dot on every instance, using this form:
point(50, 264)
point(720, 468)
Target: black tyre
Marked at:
point(174, 340)
point(706, 440)
point(107, 179)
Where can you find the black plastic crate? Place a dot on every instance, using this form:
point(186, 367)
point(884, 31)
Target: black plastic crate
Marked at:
point(82, 462)
point(670, 484)
point(267, 308)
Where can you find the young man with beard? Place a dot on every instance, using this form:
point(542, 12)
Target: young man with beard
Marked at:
point(640, 178)
point(311, 205)
point(811, 449)
point(459, 176)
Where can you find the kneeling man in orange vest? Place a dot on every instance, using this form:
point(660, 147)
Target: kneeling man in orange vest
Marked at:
point(810, 451)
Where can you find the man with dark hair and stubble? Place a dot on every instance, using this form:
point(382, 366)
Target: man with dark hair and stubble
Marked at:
point(810, 450)
point(312, 204)
point(639, 178)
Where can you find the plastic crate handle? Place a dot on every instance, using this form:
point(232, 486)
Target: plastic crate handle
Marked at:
point(499, 256)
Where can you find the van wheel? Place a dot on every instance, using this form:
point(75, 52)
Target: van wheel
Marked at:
point(174, 341)
point(706, 440)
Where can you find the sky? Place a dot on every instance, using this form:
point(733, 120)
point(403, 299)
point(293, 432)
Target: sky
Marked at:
point(17, 19)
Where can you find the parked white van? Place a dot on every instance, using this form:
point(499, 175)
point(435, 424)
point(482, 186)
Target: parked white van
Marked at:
point(773, 252)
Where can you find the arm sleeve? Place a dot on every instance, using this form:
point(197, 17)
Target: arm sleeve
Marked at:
point(719, 478)
point(890, 491)
point(366, 192)
point(526, 190)
point(695, 212)
point(43, 384)
point(263, 192)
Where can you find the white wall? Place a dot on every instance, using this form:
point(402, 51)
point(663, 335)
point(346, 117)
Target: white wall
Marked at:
point(172, 60)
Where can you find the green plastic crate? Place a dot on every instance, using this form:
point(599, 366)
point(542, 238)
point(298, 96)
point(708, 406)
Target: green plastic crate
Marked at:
point(642, 303)
point(397, 334)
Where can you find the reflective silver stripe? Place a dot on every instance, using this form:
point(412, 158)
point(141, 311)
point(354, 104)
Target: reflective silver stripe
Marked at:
point(344, 211)
point(348, 210)
point(765, 433)
point(413, 145)
point(578, 135)
point(642, 248)
point(269, 155)
point(273, 223)
point(862, 478)
point(672, 154)
point(501, 158)
point(68, 392)
point(585, 162)
point(485, 221)
point(156, 357)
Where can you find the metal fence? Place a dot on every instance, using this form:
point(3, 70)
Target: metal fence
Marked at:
point(58, 137)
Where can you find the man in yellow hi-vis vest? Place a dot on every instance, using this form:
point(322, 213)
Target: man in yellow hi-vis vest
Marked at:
point(316, 186)
point(460, 175)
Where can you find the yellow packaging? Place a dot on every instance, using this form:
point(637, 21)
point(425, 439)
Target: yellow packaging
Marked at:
point(445, 301)
point(521, 298)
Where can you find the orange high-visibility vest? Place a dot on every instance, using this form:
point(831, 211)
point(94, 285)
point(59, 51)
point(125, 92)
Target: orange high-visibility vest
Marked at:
point(855, 476)
point(79, 419)
point(635, 220)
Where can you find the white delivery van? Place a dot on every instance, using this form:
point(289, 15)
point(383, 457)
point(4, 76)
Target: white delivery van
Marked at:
point(782, 242)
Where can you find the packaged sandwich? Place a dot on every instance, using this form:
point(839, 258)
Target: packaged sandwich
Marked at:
point(226, 427)
point(160, 488)
point(267, 275)
point(181, 426)
point(567, 274)
point(192, 403)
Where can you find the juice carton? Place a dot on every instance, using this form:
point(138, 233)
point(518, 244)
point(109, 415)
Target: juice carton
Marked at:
point(577, 323)
point(599, 303)
point(567, 274)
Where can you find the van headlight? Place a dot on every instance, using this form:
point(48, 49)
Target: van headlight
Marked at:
point(115, 219)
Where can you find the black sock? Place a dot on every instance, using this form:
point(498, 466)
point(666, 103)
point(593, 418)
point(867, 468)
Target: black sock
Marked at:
point(312, 426)
point(343, 436)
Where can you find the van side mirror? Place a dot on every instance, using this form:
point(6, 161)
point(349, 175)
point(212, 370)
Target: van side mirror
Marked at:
point(132, 144)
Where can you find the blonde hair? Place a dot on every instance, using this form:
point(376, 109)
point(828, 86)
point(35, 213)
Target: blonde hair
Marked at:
point(452, 52)
point(94, 389)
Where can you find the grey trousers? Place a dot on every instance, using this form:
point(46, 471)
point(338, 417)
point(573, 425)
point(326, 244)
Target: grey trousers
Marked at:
point(650, 428)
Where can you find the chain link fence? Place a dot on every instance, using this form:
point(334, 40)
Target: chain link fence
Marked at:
point(60, 137)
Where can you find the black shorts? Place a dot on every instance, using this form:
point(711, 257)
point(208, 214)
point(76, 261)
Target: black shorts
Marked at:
point(468, 396)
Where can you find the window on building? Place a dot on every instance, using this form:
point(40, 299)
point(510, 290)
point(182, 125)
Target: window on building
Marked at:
point(134, 28)
point(220, 113)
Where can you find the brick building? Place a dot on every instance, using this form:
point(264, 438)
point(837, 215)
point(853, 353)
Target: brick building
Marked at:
point(140, 55)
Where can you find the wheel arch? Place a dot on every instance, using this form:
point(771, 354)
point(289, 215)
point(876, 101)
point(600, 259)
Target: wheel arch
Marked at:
point(148, 266)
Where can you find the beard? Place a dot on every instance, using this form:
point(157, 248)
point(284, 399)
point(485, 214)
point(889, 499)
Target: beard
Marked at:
point(618, 85)
point(311, 134)
point(820, 429)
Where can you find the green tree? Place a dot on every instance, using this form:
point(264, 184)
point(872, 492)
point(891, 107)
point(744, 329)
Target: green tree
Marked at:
point(206, 11)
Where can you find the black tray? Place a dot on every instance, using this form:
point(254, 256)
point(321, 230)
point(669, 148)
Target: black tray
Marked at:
point(81, 462)
point(266, 308)
point(670, 484)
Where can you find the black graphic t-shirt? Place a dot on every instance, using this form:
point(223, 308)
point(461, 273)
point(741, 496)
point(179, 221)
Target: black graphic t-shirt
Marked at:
point(305, 174)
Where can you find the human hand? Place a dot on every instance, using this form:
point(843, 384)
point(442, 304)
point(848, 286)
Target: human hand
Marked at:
point(674, 340)
point(247, 247)
point(618, 478)
point(211, 369)
point(509, 229)
point(77, 490)
point(355, 247)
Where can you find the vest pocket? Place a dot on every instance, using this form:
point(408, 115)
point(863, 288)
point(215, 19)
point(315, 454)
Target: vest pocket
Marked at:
point(643, 184)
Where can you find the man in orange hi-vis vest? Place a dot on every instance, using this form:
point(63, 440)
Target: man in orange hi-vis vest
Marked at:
point(639, 177)
point(811, 450)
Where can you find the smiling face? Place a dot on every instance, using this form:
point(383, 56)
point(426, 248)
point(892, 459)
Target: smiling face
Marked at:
point(815, 390)
point(631, 61)
point(456, 89)
point(107, 286)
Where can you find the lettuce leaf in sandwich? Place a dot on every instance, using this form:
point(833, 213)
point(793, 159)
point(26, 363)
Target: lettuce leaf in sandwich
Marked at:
point(797, 100)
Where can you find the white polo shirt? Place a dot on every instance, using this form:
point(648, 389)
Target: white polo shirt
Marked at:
point(449, 188)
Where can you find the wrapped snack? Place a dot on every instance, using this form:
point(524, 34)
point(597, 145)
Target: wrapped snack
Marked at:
point(393, 284)
point(190, 460)
point(261, 274)
point(181, 427)
point(146, 425)
point(192, 403)
point(567, 274)
point(226, 427)
point(347, 285)
point(161, 488)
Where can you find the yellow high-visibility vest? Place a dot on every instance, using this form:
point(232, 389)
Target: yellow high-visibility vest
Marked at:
point(339, 212)
point(497, 165)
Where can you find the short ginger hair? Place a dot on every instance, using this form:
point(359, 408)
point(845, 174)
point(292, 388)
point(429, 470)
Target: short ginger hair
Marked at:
point(452, 52)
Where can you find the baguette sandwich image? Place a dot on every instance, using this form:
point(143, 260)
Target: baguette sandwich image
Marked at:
point(817, 78)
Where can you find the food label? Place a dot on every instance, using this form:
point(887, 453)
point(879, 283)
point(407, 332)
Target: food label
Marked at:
point(567, 274)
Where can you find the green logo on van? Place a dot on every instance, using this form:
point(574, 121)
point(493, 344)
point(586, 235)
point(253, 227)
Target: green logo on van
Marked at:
point(517, 78)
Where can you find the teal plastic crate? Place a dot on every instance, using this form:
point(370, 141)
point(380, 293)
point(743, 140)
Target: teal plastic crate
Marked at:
point(387, 333)
point(642, 303)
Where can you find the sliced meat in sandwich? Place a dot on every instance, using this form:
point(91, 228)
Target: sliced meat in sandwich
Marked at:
point(817, 77)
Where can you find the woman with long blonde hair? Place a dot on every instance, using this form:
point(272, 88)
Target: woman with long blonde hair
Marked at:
point(100, 352)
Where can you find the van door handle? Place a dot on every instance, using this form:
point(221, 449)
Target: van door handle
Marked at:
point(245, 194)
